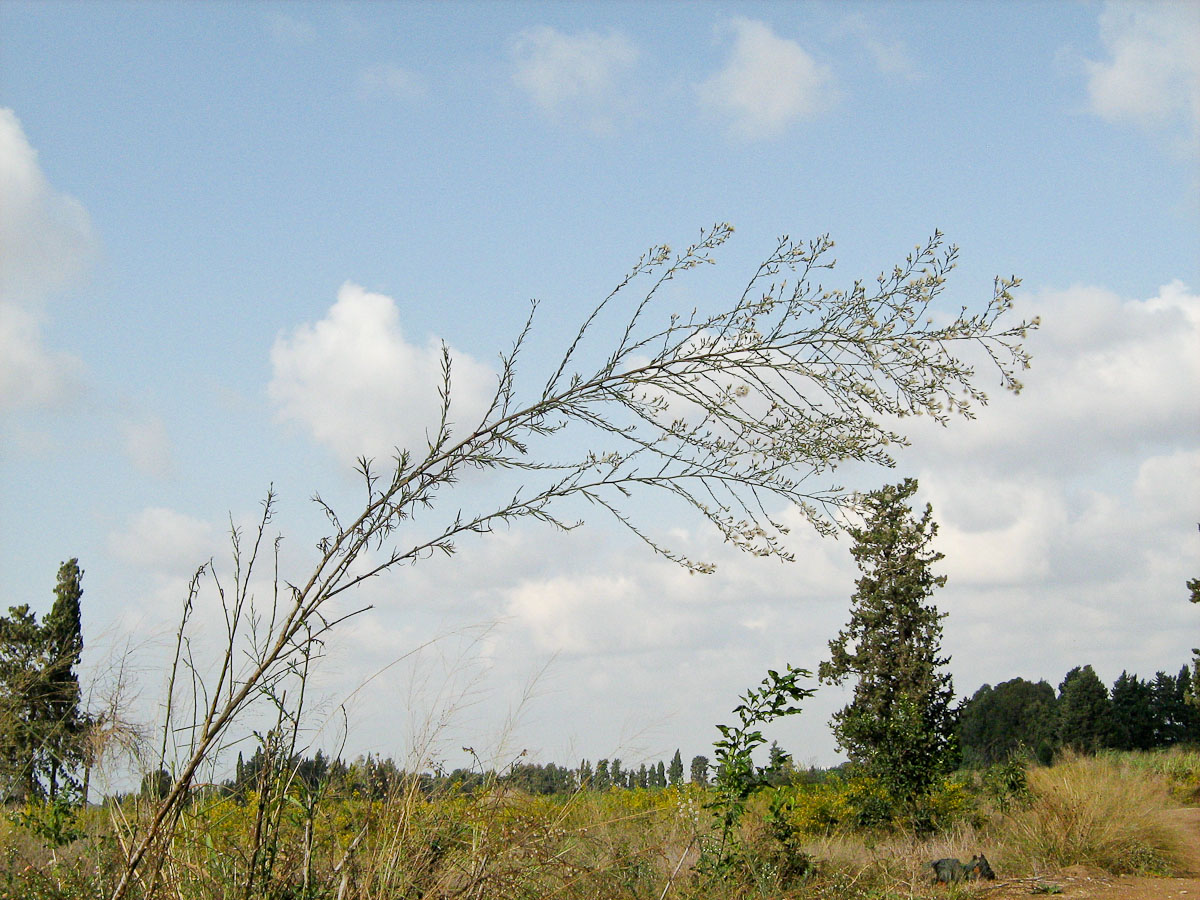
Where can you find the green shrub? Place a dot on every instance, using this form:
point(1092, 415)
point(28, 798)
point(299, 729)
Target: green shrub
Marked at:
point(863, 802)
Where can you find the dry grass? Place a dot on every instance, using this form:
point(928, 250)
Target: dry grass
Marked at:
point(1100, 812)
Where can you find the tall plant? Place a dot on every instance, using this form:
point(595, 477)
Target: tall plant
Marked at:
point(735, 414)
point(737, 776)
point(20, 688)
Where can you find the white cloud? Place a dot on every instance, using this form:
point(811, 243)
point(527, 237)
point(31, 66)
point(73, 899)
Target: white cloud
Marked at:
point(1168, 486)
point(164, 541)
point(1013, 547)
point(1111, 377)
point(45, 243)
point(587, 613)
point(45, 236)
point(148, 446)
point(361, 387)
point(392, 81)
point(30, 373)
point(1120, 371)
point(767, 84)
point(579, 75)
point(1152, 74)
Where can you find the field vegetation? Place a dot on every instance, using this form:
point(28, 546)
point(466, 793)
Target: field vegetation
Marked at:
point(820, 835)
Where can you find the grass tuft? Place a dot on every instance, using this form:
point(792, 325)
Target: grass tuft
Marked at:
point(1093, 811)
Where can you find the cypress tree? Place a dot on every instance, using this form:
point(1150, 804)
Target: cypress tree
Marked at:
point(675, 770)
point(898, 727)
point(63, 725)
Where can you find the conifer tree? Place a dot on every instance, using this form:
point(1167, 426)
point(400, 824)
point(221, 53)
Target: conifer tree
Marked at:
point(780, 768)
point(1193, 695)
point(20, 687)
point(1132, 714)
point(1084, 711)
point(675, 770)
point(62, 723)
point(1014, 717)
point(42, 729)
point(898, 727)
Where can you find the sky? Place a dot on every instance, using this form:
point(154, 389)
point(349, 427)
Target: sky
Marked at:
point(233, 237)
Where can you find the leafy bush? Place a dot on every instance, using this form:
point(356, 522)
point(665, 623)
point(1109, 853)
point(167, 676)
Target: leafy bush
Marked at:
point(863, 802)
point(737, 776)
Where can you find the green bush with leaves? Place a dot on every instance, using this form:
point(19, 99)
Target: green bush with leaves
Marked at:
point(737, 776)
point(863, 802)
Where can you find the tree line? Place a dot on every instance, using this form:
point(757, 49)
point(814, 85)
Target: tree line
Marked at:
point(1016, 718)
point(378, 777)
point(1023, 717)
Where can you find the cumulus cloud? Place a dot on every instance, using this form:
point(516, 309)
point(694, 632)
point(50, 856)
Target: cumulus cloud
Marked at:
point(592, 613)
point(1111, 377)
point(1151, 75)
point(767, 84)
point(31, 374)
point(577, 74)
point(45, 236)
point(45, 243)
point(360, 387)
point(1168, 487)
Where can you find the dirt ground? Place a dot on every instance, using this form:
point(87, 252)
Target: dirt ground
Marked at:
point(1080, 882)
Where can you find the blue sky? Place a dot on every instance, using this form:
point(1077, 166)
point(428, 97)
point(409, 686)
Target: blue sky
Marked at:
point(232, 233)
